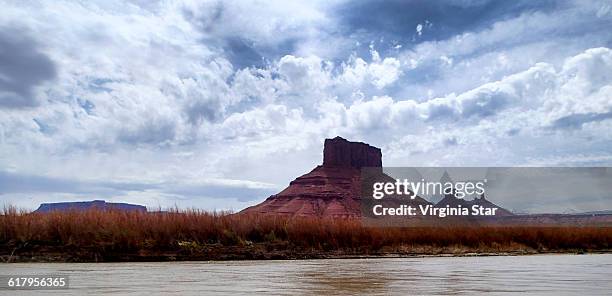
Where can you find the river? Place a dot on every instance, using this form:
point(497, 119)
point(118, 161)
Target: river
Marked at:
point(538, 274)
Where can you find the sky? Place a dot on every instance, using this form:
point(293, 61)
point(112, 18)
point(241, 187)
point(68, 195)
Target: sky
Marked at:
point(218, 104)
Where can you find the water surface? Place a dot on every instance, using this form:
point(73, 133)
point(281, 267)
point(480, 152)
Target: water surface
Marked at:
point(541, 274)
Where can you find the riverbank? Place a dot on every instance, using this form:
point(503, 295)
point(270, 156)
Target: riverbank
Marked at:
point(221, 253)
point(115, 236)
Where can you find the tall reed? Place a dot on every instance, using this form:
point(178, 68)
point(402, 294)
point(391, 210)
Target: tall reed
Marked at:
point(119, 231)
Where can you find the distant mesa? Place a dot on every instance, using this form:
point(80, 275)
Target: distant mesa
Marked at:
point(88, 205)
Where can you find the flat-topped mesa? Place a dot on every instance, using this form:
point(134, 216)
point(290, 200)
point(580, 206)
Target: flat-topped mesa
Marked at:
point(329, 190)
point(88, 205)
point(339, 152)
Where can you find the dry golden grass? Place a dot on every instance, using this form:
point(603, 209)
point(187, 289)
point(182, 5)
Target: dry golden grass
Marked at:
point(193, 230)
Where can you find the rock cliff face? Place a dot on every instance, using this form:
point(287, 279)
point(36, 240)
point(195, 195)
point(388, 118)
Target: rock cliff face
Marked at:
point(330, 190)
point(338, 152)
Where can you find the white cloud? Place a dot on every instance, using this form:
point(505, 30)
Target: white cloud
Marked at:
point(146, 94)
point(380, 72)
point(522, 41)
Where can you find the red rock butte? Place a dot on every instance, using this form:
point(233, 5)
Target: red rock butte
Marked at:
point(329, 190)
point(338, 152)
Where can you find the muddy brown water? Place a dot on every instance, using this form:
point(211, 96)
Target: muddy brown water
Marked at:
point(497, 275)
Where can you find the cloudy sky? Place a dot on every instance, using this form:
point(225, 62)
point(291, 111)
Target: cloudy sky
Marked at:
point(218, 104)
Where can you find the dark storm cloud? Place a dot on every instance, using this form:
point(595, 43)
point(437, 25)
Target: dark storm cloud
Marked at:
point(23, 67)
point(397, 20)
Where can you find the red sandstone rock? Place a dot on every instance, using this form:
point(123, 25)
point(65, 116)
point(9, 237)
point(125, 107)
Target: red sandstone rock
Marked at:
point(329, 190)
point(325, 191)
point(338, 152)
